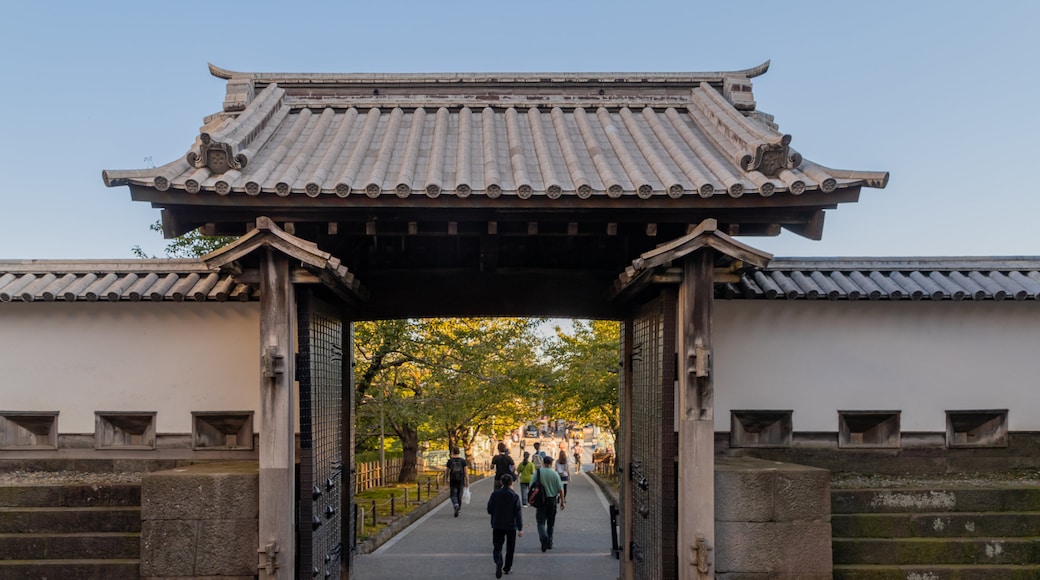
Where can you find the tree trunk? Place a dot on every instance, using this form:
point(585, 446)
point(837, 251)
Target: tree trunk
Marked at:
point(410, 445)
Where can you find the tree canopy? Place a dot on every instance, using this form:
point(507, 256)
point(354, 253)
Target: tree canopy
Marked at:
point(451, 380)
point(585, 374)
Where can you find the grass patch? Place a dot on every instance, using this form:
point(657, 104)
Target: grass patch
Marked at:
point(393, 501)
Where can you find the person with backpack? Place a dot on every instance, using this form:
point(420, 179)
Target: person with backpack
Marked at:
point(538, 456)
point(525, 471)
point(503, 464)
point(458, 478)
point(545, 514)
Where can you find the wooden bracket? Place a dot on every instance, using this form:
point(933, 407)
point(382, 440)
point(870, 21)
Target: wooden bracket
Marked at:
point(700, 363)
point(700, 555)
point(271, 552)
point(273, 363)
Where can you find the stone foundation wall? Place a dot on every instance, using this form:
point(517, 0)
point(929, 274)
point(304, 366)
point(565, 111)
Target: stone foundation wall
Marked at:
point(772, 520)
point(200, 520)
point(918, 454)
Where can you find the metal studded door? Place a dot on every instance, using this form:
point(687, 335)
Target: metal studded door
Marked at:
point(324, 403)
point(651, 474)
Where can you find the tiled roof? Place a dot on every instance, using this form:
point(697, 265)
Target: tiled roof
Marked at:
point(118, 281)
point(889, 279)
point(571, 136)
point(783, 279)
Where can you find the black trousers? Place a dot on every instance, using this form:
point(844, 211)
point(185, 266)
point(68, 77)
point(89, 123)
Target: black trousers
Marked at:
point(545, 516)
point(498, 537)
point(455, 492)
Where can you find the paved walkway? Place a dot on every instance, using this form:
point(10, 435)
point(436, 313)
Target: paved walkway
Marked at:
point(439, 545)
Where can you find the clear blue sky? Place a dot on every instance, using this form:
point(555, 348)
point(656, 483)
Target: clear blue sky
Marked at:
point(941, 94)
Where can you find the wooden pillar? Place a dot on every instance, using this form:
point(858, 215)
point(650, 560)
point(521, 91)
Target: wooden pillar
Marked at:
point(277, 550)
point(696, 541)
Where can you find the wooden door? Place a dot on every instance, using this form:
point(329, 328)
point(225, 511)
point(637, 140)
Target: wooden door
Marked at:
point(649, 478)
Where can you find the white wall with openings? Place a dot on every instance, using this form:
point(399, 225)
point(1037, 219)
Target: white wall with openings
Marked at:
point(920, 358)
point(171, 358)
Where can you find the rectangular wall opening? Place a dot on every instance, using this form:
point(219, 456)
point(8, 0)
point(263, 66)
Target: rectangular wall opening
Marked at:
point(28, 430)
point(223, 430)
point(984, 428)
point(874, 429)
point(124, 430)
point(760, 429)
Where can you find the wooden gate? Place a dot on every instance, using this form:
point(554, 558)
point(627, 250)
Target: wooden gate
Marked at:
point(325, 492)
point(649, 484)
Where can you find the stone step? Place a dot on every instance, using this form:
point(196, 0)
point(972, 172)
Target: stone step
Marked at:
point(70, 519)
point(936, 551)
point(1018, 499)
point(70, 569)
point(70, 546)
point(958, 572)
point(70, 495)
point(935, 525)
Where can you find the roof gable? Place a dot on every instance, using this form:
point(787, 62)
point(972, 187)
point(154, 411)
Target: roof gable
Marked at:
point(589, 140)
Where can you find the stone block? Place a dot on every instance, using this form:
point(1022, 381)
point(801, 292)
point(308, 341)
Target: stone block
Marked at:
point(168, 548)
point(202, 491)
point(802, 494)
point(748, 489)
point(783, 549)
point(744, 495)
point(226, 547)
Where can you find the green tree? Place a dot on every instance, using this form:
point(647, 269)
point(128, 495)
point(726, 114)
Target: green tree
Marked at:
point(486, 373)
point(450, 380)
point(191, 245)
point(586, 374)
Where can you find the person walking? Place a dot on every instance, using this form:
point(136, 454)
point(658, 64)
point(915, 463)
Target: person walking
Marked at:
point(563, 466)
point(503, 464)
point(458, 478)
point(538, 456)
point(524, 472)
point(578, 449)
point(507, 523)
point(545, 515)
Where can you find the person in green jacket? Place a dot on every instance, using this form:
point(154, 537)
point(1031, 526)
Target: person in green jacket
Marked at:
point(525, 471)
point(545, 516)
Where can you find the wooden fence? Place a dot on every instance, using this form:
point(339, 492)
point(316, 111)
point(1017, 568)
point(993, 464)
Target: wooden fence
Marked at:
point(369, 475)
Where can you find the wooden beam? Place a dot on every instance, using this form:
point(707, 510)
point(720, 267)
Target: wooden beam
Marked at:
point(492, 228)
point(413, 228)
point(696, 414)
point(289, 228)
point(651, 230)
point(370, 228)
point(453, 228)
point(333, 228)
point(532, 228)
point(612, 229)
point(276, 549)
point(812, 229)
point(572, 228)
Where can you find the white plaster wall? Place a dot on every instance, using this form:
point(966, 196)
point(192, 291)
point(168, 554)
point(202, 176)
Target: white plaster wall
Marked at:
point(921, 358)
point(172, 358)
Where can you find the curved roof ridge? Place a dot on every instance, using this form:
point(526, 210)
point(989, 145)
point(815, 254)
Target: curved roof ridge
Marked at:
point(501, 76)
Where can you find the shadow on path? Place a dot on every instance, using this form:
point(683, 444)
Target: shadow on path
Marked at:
point(440, 546)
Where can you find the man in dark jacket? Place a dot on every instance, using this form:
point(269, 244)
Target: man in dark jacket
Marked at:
point(507, 522)
point(503, 464)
